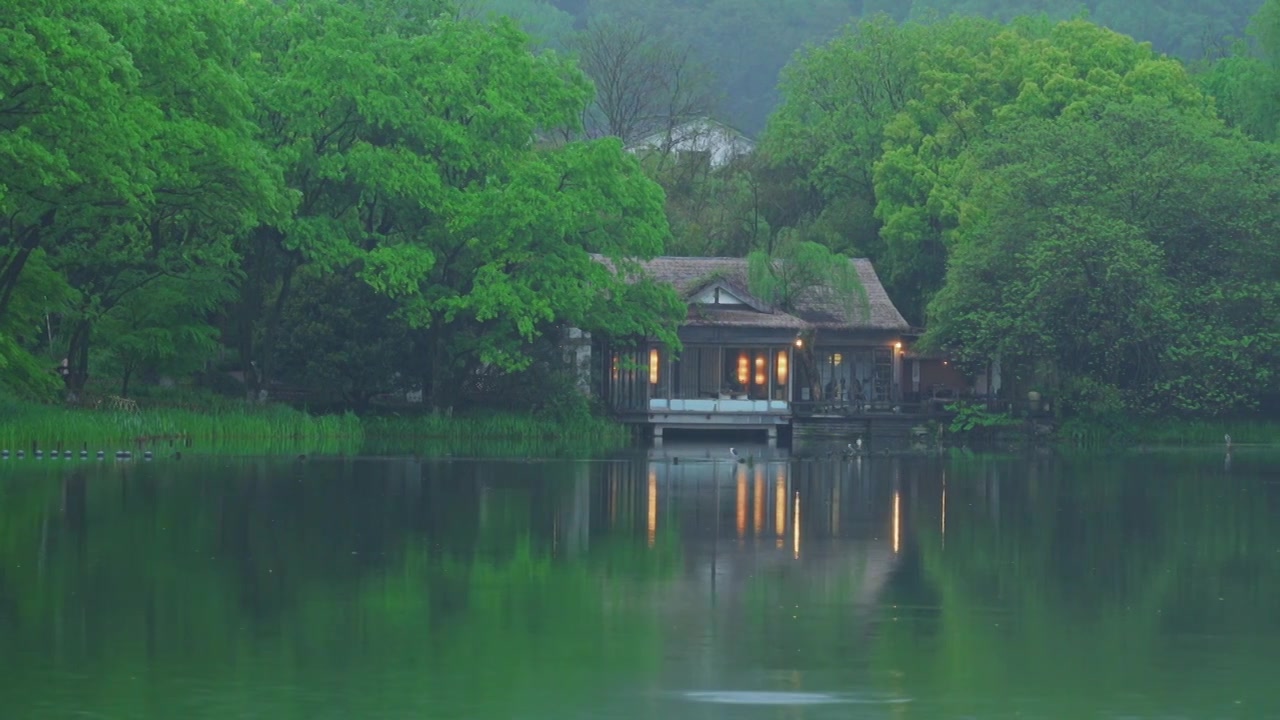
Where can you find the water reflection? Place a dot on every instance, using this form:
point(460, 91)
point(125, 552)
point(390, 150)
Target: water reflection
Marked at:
point(379, 588)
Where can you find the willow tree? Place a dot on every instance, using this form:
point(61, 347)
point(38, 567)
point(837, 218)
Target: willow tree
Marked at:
point(801, 274)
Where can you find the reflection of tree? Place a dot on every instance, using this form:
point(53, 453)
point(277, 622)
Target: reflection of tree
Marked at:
point(1079, 582)
point(361, 588)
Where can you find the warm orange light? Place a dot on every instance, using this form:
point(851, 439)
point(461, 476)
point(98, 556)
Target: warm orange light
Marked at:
point(653, 366)
point(615, 367)
point(795, 529)
point(837, 358)
point(744, 369)
point(897, 521)
point(897, 346)
point(944, 511)
point(780, 507)
point(799, 342)
point(742, 502)
point(757, 502)
point(653, 506)
point(761, 378)
point(782, 367)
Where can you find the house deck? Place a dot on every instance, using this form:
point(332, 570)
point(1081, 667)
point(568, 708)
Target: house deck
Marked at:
point(746, 365)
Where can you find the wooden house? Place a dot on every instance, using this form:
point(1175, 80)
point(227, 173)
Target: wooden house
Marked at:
point(746, 364)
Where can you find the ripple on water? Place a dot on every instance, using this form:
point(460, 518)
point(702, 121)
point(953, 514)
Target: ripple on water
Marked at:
point(732, 697)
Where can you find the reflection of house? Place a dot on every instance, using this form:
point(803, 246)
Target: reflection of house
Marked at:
point(719, 143)
point(748, 365)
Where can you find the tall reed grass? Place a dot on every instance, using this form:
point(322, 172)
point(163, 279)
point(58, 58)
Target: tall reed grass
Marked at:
point(274, 429)
point(247, 427)
point(1170, 432)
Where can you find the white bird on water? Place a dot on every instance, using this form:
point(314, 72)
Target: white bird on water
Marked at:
point(1228, 439)
point(736, 456)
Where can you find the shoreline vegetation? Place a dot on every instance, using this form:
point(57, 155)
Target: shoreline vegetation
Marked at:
point(244, 428)
point(277, 429)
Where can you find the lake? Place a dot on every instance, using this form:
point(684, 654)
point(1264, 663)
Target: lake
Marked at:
point(673, 584)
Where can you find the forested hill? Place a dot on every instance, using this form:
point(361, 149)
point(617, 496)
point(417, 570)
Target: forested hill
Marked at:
point(744, 43)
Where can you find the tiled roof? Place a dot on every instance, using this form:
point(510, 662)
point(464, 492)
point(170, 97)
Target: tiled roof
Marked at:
point(821, 309)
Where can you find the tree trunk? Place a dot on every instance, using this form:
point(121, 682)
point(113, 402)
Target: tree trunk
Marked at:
point(17, 260)
point(124, 382)
point(440, 383)
point(78, 361)
point(261, 256)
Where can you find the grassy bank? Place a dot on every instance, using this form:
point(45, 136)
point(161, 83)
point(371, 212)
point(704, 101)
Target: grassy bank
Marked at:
point(251, 429)
point(244, 427)
point(1172, 432)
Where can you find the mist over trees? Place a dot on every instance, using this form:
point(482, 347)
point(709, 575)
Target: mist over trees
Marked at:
point(745, 43)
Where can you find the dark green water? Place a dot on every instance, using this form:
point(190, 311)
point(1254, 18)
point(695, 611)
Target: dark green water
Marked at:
point(1135, 587)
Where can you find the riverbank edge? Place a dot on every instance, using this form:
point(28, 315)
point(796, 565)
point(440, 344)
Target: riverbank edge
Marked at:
point(256, 428)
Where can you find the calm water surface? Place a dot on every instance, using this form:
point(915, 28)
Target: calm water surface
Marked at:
point(1132, 587)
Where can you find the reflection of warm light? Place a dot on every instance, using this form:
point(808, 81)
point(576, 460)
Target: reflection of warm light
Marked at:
point(653, 506)
point(653, 366)
point(758, 500)
point(782, 367)
point(780, 506)
point(744, 369)
point(897, 525)
point(795, 529)
point(742, 502)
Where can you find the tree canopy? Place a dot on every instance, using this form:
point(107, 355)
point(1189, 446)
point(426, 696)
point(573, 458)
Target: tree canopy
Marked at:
point(395, 142)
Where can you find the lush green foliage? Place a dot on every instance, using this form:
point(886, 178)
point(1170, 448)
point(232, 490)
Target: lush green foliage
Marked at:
point(1053, 194)
point(289, 195)
point(1128, 255)
point(745, 42)
point(389, 161)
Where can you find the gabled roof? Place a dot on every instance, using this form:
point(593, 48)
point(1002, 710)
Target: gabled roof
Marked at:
point(737, 292)
point(822, 308)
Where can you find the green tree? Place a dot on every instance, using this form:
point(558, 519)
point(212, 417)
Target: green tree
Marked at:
point(426, 176)
point(1246, 83)
point(341, 338)
point(889, 112)
point(164, 327)
point(136, 161)
point(1126, 260)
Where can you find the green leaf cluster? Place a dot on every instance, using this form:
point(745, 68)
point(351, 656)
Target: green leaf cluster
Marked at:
point(185, 169)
